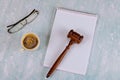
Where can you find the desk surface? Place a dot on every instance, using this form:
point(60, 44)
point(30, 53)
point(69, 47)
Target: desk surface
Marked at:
point(23, 65)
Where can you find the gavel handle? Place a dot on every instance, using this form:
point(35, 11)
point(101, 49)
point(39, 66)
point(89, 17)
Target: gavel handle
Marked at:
point(59, 59)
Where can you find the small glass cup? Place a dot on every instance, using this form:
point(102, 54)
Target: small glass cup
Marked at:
point(30, 41)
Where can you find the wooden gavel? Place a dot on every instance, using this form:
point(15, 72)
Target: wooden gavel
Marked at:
point(74, 38)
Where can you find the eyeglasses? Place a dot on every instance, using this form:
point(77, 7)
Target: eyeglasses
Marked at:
point(21, 23)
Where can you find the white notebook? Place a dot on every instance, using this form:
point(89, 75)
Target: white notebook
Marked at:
point(77, 58)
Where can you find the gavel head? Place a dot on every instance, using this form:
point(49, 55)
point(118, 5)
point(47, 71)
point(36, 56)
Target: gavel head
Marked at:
point(74, 36)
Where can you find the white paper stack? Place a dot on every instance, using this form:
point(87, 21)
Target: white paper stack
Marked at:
point(77, 58)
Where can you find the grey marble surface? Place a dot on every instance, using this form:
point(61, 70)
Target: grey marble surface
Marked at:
point(15, 64)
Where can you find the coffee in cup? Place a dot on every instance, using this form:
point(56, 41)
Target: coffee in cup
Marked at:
point(30, 41)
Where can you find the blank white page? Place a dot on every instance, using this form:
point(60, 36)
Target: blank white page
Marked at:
point(77, 58)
